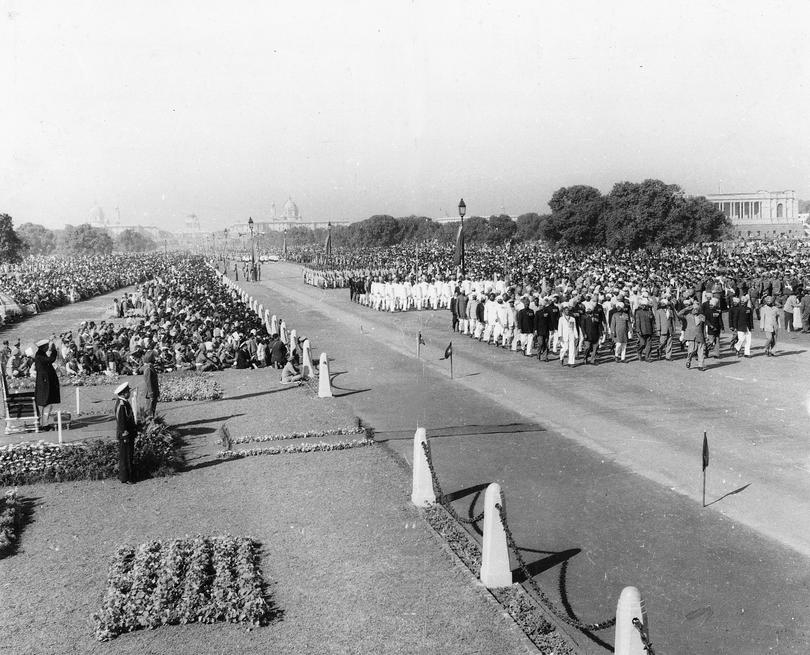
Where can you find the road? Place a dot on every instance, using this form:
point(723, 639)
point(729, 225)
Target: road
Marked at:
point(601, 467)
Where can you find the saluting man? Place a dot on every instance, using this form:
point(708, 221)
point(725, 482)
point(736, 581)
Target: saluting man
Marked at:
point(47, 383)
point(126, 430)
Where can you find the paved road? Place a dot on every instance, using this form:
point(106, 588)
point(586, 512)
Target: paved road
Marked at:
point(601, 467)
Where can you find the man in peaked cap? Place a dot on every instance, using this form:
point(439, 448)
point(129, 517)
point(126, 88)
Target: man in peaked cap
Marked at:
point(126, 431)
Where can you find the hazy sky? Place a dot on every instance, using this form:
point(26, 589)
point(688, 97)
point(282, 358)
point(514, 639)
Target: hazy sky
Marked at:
point(169, 108)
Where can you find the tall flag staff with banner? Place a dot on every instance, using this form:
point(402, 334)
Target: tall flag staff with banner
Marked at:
point(327, 251)
point(458, 257)
point(448, 354)
point(705, 464)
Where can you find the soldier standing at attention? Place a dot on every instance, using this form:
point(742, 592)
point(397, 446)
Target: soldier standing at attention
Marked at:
point(126, 430)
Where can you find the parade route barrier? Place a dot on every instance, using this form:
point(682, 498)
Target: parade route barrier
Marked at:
point(307, 367)
point(273, 324)
point(495, 571)
point(77, 401)
point(422, 492)
point(282, 332)
point(324, 381)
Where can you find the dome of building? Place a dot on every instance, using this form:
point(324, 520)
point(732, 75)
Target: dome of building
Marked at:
point(290, 211)
point(96, 216)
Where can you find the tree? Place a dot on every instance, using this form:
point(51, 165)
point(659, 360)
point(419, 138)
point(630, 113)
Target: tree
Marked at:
point(529, 227)
point(575, 216)
point(86, 240)
point(12, 248)
point(379, 230)
point(500, 229)
point(134, 241)
point(38, 239)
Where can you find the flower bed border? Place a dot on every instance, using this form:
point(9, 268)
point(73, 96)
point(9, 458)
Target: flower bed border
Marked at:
point(320, 447)
point(191, 580)
point(299, 435)
point(10, 521)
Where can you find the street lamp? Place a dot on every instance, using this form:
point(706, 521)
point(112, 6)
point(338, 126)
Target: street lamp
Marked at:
point(252, 254)
point(225, 246)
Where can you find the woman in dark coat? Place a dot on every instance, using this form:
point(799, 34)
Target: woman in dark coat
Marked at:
point(47, 385)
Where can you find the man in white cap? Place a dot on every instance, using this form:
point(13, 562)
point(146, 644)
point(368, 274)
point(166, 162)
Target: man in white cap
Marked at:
point(47, 384)
point(126, 430)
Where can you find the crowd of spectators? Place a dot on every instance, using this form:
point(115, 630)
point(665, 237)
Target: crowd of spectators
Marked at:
point(184, 318)
point(52, 281)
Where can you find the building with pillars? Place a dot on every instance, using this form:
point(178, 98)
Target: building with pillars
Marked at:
point(761, 214)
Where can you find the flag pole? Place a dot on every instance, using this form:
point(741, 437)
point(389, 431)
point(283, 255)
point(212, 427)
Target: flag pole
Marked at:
point(451, 364)
point(705, 465)
point(418, 345)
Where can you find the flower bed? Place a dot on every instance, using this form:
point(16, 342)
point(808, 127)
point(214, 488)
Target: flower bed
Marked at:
point(199, 579)
point(189, 386)
point(157, 453)
point(89, 380)
point(10, 521)
point(299, 435)
point(320, 447)
point(514, 599)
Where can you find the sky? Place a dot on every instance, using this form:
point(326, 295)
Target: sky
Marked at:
point(166, 108)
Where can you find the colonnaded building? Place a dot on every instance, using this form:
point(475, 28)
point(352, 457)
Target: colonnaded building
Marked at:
point(761, 214)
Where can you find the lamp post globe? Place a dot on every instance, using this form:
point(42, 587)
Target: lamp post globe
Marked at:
point(462, 208)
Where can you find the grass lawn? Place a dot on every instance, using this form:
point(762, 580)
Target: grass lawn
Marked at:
point(352, 566)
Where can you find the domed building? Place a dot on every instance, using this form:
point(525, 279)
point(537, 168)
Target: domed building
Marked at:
point(96, 217)
point(290, 211)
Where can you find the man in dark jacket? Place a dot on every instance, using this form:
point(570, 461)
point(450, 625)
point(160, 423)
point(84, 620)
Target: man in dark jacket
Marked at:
point(714, 326)
point(525, 324)
point(126, 431)
point(47, 384)
point(644, 324)
point(461, 310)
point(278, 353)
point(544, 322)
point(591, 332)
point(741, 320)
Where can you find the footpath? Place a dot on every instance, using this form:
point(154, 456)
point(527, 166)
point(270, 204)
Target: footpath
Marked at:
point(587, 522)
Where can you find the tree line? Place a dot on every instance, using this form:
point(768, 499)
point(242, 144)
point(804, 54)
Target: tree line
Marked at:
point(649, 214)
point(35, 239)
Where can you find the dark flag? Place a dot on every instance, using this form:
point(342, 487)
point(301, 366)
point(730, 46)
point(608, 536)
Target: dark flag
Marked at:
point(448, 352)
point(705, 452)
point(421, 340)
point(458, 256)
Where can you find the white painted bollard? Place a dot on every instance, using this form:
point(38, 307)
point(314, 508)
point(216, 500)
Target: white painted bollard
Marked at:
point(293, 339)
point(77, 401)
point(282, 332)
point(135, 404)
point(495, 571)
point(630, 606)
point(422, 490)
point(260, 311)
point(59, 425)
point(273, 324)
point(324, 383)
point(307, 367)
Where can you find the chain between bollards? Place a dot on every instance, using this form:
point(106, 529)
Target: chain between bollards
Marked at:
point(437, 489)
point(563, 616)
point(645, 639)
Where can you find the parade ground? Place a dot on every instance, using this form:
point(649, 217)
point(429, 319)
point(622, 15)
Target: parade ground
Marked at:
point(601, 466)
point(600, 469)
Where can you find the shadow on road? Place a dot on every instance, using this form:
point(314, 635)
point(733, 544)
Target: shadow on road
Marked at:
point(730, 493)
point(461, 431)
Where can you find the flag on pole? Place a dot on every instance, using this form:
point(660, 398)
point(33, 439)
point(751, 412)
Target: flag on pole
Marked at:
point(448, 352)
point(458, 256)
point(705, 452)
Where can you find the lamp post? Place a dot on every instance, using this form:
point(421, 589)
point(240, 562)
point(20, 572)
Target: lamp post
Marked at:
point(284, 245)
point(225, 245)
point(252, 253)
point(462, 209)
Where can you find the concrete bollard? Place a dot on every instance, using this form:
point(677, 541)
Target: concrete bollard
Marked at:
point(135, 404)
point(307, 367)
point(273, 324)
point(324, 382)
point(260, 311)
point(59, 425)
point(282, 332)
point(77, 401)
point(495, 571)
point(422, 489)
point(630, 606)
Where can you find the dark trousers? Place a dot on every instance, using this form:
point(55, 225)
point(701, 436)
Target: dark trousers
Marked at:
point(152, 406)
point(542, 346)
point(644, 346)
point(589, 347)
point(455, 323)
point(126, 459)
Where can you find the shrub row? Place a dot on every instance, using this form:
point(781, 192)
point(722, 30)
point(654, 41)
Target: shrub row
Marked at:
point(10, 521)
point(157, 453)
point(199, 579)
